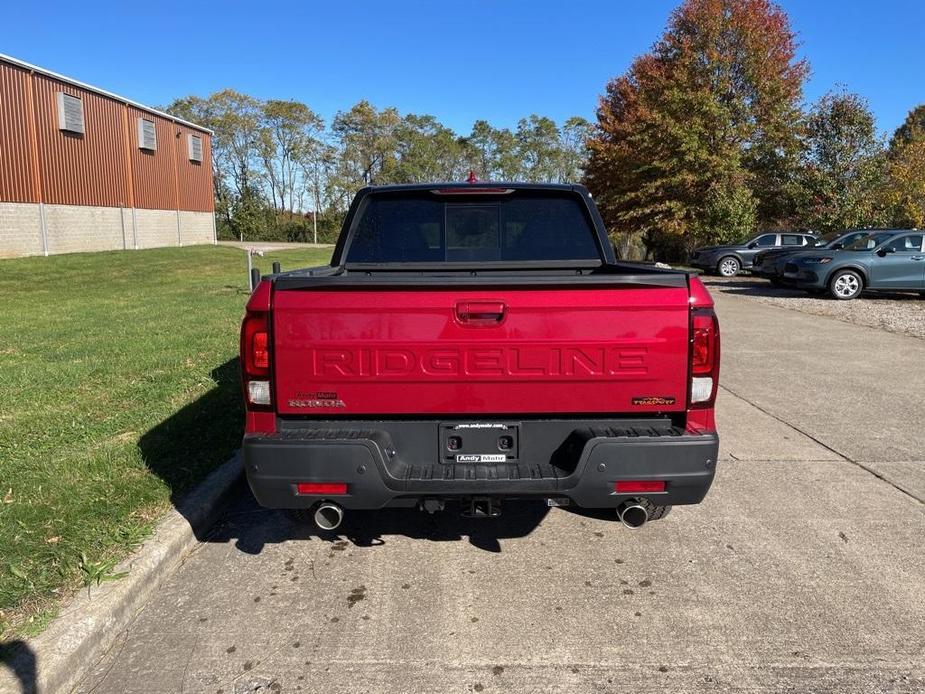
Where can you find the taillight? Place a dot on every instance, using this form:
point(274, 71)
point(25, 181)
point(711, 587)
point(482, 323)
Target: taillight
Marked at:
point(260, 349)
point(703, 342)
point(704, 352)
point(255, 359)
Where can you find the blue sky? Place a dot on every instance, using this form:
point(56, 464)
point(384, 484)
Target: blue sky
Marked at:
point(456, 60)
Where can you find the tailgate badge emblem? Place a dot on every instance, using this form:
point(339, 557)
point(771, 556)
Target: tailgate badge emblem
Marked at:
point(654, 400)
point(316, 400)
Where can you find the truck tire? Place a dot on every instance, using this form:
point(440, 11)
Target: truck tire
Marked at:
point(728, 266)
point(845, 285)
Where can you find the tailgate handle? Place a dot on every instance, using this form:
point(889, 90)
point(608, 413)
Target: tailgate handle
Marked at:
point(482, 312)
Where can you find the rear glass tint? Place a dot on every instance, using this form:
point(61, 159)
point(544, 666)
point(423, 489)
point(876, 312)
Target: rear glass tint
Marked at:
point(425, 227)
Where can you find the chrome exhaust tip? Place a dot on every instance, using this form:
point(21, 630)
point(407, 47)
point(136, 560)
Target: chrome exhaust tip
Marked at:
point(633, 514)
point(328, 516)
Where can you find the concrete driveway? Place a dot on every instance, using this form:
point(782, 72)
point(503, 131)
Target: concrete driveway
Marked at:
point(804, 569)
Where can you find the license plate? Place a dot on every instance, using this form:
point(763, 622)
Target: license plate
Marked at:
point(479, 442)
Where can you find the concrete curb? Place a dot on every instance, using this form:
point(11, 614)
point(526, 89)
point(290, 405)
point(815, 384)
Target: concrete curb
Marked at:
point(59, 658)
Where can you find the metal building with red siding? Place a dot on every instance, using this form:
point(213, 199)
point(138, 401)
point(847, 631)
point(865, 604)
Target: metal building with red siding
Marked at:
point(82, 169)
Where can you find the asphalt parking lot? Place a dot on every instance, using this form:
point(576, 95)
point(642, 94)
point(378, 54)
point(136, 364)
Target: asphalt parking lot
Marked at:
point(803, 570)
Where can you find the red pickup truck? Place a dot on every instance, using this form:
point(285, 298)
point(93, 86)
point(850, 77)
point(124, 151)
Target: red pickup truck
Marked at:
point(476, 342)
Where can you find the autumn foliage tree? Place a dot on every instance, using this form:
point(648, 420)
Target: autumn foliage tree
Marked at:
point(843, 165)
point(903, 191)
point(699, 139)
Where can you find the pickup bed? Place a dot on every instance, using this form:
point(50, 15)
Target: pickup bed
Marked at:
point(475, 342)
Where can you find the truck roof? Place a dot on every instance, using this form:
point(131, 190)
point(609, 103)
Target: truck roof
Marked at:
point(514, 185)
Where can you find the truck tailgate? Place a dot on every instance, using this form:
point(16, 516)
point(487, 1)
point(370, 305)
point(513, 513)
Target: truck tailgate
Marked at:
point(459, 351)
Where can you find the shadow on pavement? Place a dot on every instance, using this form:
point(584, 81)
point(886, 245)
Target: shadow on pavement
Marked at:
point(21, 661)
point(201, 436)
point(182, 449)
point(251, 527)
point(753, 288)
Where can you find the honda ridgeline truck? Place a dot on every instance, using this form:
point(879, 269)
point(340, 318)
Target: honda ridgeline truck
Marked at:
point(474, 342)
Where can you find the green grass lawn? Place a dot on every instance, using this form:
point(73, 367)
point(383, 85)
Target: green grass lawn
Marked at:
point(118, 392)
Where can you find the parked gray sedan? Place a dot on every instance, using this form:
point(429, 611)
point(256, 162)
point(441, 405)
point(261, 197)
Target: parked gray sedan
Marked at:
point(890, 259)
point(729, 260)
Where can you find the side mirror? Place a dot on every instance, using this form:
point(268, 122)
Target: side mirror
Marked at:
point(838, 246)
point(753, 244)
point(885, 250)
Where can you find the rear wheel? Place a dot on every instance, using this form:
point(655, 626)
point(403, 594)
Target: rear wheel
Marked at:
point(845, 285)
point(728, 266)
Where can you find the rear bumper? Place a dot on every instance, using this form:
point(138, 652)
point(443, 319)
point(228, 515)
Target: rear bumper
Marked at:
point(366, 460)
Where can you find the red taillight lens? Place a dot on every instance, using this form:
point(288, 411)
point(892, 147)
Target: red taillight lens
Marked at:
point(255, 345)
point(704, 346)
point(639, 486)
point(260, 350)
point(322, 488)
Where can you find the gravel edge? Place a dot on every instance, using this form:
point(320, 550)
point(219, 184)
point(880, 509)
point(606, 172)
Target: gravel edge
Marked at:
point(62, 655)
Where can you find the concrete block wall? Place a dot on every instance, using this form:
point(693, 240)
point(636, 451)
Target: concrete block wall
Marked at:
point(196, 228)
point(20, 229)
point(76, 228)
point(156, 228)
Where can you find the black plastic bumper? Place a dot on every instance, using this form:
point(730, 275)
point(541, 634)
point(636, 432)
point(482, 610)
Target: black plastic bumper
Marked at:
point(367, 461)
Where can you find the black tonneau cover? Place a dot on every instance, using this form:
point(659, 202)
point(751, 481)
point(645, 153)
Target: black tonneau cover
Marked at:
point(610, 274)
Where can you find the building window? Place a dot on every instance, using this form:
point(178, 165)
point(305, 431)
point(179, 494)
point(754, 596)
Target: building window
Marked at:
point(70, 113)
point(194, 143)
point(147, 134)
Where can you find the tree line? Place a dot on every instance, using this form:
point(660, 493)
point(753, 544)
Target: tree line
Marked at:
point(282, 173)
point(704, 139)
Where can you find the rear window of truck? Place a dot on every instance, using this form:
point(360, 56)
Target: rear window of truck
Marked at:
point(428, 227)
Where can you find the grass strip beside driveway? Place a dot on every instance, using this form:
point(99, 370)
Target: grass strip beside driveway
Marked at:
point(118, 392)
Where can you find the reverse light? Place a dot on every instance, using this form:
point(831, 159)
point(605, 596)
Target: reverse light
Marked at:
point(701, 389)
point(639, 486)
point(322, 488)
point(258, 392)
